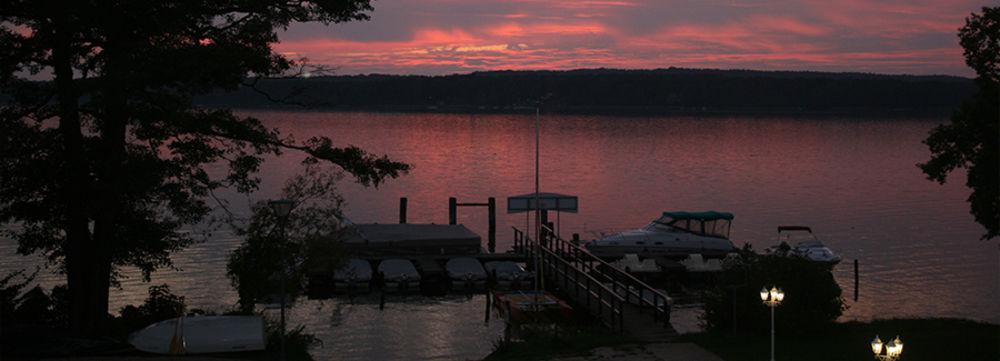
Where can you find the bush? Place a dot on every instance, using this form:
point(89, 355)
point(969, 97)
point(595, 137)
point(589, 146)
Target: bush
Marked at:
point(160, 305)
point(813, 297)
point(297, 343)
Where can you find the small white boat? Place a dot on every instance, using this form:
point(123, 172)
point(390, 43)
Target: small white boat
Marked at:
point(355, 275)
point(806, 245)
point(510, 275)
point(674, 234)
point(201, 334)
point(466, 273)
point(400, 274)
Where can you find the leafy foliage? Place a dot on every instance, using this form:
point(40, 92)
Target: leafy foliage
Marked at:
point(972, 139)
point(307, 239)
point(160, 305)
point(297, 343)
point(101, 166)
point(813, 297)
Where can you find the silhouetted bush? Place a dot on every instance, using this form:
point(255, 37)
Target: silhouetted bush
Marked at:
point(812, 296)
point(160, 305)
point(297, 343)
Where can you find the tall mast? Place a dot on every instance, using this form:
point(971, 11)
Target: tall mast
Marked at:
point(538, 206)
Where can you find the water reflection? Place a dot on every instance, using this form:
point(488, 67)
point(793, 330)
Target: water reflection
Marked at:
point(409, 328)
point(852, 180)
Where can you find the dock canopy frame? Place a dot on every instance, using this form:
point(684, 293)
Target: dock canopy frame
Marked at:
point(548, 201)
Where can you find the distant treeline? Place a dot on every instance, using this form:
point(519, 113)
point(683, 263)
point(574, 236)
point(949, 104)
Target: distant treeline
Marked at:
point(613, 91)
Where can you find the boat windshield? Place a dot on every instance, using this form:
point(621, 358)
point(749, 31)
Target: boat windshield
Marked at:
point(705, 227)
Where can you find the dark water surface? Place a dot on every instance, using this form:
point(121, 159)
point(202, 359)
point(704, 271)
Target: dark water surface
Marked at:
point(853, 180)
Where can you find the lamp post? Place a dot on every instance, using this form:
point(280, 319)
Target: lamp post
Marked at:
point(282, 208)
point(893, 349)
point(772, 298)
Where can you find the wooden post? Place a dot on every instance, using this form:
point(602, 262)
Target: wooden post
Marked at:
point(576, 239)
point(492, 243)
point(402, 210)
point(855, 280)
point(452, 210)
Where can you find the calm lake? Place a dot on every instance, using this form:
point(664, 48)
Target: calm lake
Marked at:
point(854, 180)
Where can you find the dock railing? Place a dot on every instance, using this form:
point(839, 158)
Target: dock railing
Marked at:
point(628, 289)
point(588, 290)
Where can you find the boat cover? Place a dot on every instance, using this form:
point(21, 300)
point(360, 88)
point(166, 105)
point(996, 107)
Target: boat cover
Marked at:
point(463, 267)
point(394, 269)
point(357, 269)
point(507, 270)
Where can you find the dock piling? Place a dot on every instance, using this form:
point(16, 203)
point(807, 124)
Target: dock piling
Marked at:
point(402, 210)
point(452, 210)
point(489, 297)
point(492, 233)
point(855, 280)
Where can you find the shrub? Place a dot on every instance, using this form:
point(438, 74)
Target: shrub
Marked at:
point(813, 297)
point(160, 305)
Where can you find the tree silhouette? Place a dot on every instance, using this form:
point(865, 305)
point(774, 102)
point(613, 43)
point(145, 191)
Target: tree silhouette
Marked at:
point(971, 139)
point(102, 164)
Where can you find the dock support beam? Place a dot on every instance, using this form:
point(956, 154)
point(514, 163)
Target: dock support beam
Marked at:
point(402, 210)
point(491, 205)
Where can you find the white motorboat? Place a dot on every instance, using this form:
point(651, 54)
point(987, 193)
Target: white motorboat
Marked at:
point(201, 334)
point(674, 234)
point(509, 275)
point(355, 275)
point(807, 245)
point(400, 274)
point(466, 273)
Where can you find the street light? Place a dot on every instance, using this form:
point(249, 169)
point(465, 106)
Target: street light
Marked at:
point(772, 298)
point(893, 349)
point(282, 208)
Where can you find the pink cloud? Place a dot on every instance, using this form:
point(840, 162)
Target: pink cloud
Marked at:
point(447, 36)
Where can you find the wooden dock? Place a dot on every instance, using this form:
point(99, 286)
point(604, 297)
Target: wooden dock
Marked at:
point(622, 302)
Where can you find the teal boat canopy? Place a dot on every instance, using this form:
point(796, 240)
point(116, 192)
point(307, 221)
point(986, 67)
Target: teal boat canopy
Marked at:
point(702, 216)
point(709, 223)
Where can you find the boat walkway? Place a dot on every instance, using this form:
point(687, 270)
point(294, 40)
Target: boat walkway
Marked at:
point(622, 302)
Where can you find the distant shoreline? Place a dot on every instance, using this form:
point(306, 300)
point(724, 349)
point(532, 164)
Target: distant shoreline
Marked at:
point(942, 113)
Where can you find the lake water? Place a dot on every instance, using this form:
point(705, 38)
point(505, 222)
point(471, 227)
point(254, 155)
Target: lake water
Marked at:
point(854, 180)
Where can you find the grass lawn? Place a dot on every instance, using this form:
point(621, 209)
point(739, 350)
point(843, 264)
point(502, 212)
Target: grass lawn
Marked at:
point(923, 340)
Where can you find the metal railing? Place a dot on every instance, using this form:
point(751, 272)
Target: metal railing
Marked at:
point(605, 303)
point(629, 289)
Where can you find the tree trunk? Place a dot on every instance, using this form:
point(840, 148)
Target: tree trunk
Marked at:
point(83, 319)
point(110, 171)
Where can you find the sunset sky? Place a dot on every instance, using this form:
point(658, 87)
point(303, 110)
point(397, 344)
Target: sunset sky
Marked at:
point(449, 36)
